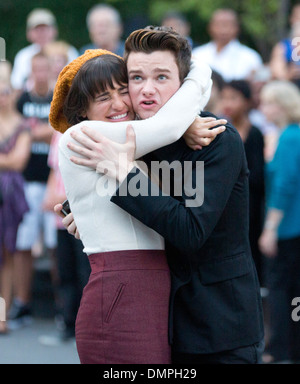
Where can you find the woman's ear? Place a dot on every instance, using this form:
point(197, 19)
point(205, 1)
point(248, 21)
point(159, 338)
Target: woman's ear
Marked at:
point(82, 115)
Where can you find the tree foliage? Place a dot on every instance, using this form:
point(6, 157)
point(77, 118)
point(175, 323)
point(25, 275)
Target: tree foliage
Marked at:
point(263, 22)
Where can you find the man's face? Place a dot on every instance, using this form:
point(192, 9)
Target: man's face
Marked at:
point(104, 30)
point(42, 34)
point(223, 27)
point(40, 70)
point(153, 79)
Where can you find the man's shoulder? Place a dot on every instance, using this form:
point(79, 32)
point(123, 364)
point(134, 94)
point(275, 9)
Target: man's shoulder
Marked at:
point(27, 52)
point(229, 142)
point(207, 114)
point(229, 127)
point(249, 52)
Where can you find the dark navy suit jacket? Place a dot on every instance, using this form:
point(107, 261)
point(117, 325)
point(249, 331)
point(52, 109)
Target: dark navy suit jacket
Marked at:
point(215, 302)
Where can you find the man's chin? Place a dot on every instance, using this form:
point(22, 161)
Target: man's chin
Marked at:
point(146, 114)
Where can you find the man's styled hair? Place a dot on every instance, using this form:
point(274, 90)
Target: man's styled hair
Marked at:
point(150, 39)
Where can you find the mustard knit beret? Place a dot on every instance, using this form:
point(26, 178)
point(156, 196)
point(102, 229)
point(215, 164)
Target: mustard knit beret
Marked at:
point(57, 118)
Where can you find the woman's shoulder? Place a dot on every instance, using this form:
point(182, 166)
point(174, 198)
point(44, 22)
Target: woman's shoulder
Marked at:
point(291, 133)
point(77, 128)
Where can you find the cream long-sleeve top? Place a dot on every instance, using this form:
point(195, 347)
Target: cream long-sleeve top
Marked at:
point(102, 225)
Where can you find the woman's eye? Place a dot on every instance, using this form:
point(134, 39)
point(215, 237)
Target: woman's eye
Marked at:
point(102, 99)
point(124, 92)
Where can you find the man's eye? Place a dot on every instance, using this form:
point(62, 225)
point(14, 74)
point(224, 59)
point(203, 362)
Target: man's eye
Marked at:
point(136, 78)
point(162, 77)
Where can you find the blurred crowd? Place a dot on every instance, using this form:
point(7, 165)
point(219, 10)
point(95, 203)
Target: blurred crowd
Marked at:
point(261, 99)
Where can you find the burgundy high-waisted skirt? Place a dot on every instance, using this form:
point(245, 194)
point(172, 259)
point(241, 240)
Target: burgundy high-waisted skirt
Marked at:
point(123, 314)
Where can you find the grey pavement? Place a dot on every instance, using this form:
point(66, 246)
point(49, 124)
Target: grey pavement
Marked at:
point(23, 346)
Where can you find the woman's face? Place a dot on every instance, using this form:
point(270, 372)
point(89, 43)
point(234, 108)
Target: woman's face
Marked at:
point(272, 111)
point(113, 105)
point(233, 103)
point(5, 95)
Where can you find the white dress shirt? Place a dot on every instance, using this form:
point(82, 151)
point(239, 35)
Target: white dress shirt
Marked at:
point(235, 61)
point(22, 65)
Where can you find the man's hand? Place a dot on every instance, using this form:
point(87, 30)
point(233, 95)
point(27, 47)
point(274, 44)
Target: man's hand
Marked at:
point(200, 134)
point(68, 221)
point(103, 154)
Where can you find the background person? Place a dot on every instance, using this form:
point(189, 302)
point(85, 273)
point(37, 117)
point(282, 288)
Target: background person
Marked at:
point(14, 153)
point(57, 53)
point(41, 29)
point(105, 29)
point(224, 53)
point(34, 105)
point(236, 103)
point(280, 240)
point(72, 264)
point(179, 23)
point(282, 65)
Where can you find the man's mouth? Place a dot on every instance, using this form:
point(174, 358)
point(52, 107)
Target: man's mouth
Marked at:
point(148, 103)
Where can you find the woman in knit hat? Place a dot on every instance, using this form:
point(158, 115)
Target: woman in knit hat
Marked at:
point(123, 316)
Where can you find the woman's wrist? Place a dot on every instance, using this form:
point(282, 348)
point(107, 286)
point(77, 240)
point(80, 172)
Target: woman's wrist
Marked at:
point(270, 225)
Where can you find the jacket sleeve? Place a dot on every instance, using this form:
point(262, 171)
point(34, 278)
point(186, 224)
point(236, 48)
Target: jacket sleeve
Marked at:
point(187, 227)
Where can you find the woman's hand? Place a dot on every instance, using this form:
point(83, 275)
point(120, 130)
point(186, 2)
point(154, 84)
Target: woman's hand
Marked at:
point(200, 134)
point(68, 221)
point(104, 155)
point(268, 242)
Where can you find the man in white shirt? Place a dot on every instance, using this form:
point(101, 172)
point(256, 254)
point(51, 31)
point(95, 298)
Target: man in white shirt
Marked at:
point(105, 29)
point(41, 29)
point(224, 53)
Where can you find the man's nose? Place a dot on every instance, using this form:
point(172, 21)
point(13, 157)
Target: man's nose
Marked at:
point(148, 88)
